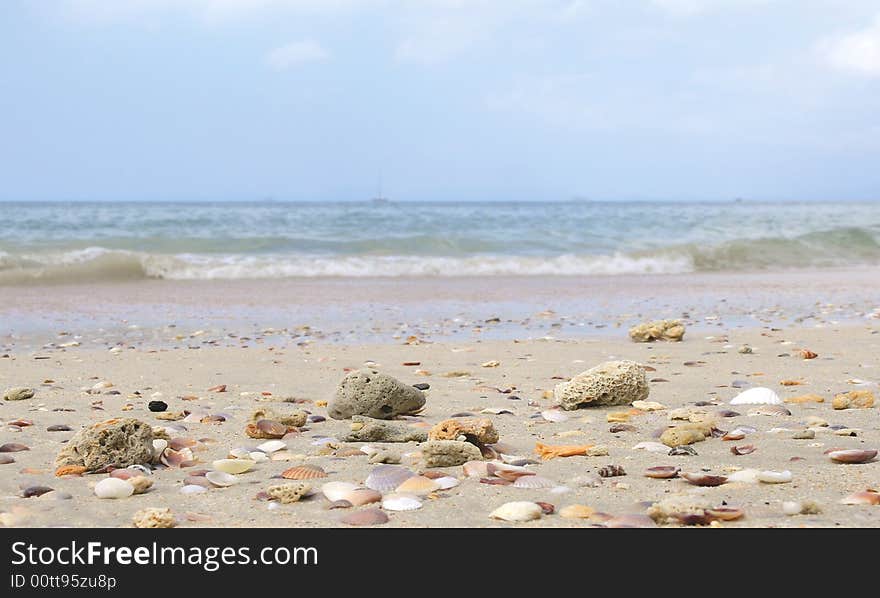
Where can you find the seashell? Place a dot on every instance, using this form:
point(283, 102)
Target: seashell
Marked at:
point(339, 504)
point(867, 497)
point(653, 447)
point(852, 456)
point(577, 512)
point(334, 491)
point(304, 472)
point(744, 476)
point(727, 413)
point(362, 496)
point(401, 502)
point(518, 461)
point(771, 410)
point(271, 446)
point(239, 453)
point(193, 489)
point(734, 435)
point(233, 466)
point(446, 482)
point(58, 428)
point(554, 415)
point(113, 488)
point(495, 481)
point(198, 481)
point(181, 443)
point(662, 472)
point(286, 455)
point(173, 458)
point(631, 521)
point(7, 459)
point(271, 429)
point(13, 447)
point(159, 446)
point(32, 491)
point(611, 471)
point(533, 482)
point(756, 396)
point(386, 478)
point(703, 479)
point(725, 513)
point(682, 450)
point(365, 517)
point(745, 449)
point(774, 477)
point(518, 511)
point(258, 457)
point(221, 478)
point(475, 469)
point(418, 485)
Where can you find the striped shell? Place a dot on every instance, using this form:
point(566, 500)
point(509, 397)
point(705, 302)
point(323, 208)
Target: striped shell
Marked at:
point(475, 469)
point(533, 482)
point(386, 478)
point(304, 472)
point(418, 485)
point(401, 502)
point(771, 410)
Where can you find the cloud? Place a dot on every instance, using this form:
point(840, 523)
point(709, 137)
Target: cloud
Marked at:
point(857, 52)
point(294, 54)
point(688, 8)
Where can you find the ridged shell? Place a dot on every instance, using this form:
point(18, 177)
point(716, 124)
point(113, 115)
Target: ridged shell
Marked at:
point(852, 456)
point(365, 517)
point(756, 396)
point(401, 502)
point(304, 472)
point(221, 478)
point(533, 482)
point(774, 477)
point(771, 410)
point(418, 485)
point(518, 511)
point(386, 478)
point(577, 512)
point(233, 466)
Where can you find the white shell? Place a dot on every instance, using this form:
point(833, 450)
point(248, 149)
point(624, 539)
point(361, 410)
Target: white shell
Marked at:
point(774, 477)
point(533, 482)
point(756, 396)
point(233, 466)
point(159, 445)
point(517, 511)
point(447, 482)
point(744, 476)
point(240, 453)
point(334, 491)
point(193, 489)
point(560, 490)
point(271, 446)
point(113, 488)
point(401, 502)
point(652, 447)
point(791, 507)
point(221, 478)
point(258, 457)
point(554, 415)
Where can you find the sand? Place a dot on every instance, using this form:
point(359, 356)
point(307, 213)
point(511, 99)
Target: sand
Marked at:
point(285, 366)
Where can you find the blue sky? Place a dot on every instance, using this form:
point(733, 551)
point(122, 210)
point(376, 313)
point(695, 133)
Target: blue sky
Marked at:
point(447, 99)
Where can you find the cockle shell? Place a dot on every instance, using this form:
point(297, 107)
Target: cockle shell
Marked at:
point(113, 488)
point(774, 477)
point(386, 478)
point(518, 511)
point(221, 478)
point(304, 472)
point(401, 502)
point(418, 485)
point(852, 456)
point(533, 482)
point(577, 512)
point(233, 466)
point(756, 396)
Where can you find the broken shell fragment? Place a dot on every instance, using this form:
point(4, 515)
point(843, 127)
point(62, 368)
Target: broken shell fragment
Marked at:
point(221, 479)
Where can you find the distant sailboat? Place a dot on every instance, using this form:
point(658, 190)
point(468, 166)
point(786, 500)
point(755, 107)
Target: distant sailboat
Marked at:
point(380, 198)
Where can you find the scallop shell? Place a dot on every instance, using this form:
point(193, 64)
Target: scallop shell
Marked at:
point(386, 478)
point(418, 485)
point(401, 502)
point(221, 478)
point(756, 396)
point(533, 482)
point(113, 488)
point(867, 497)
point(771, 410)
point(475, 469)
point(703, 479)
point(447, 482)
point(233, 466)
point(271, 429)
point(365, 517)
point(852, 456)
point(577, 512)
point(518, 511)
point(662, 472)
point(774, 477)
point(304, 472)
point(271, 446)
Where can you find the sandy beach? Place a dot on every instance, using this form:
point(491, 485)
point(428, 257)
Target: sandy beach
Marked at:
point(287, 345)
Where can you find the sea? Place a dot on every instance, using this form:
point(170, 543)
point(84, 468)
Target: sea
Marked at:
point(122, 241)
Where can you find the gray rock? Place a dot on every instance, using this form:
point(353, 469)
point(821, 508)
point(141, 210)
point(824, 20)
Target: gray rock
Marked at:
point(376, 395)
point(120, 442)
point(18, 393)
point(377, 430)
point(609, 383)
point(449, 453)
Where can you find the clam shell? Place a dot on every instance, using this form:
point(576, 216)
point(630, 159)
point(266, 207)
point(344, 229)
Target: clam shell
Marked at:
point(533, 482)
point(577, 512)
point(304, 472)
point(240, 452)
point(704, 479)
point(258, 456)
point(756, 396)
point(6, 459)
point(518, 511)
point(386, 478)
point(365, 517)
point(852, 456)
point(13, 447)
point(271, 429)
point(233, 466)
point(113, 488)
point(774, 477)
point(418, 485)
point(180, 443)
point(867, 497)
point(334, 491)
point(745, 449)
point(221, 478)
point(662, 472)
point(198, 481)
point(271, 446)
point(401, 502)
point(447, 482)
point(771, 410)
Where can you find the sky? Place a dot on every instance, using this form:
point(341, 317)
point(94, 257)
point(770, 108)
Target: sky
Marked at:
point(439, 99)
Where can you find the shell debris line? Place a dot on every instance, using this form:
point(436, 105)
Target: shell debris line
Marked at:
point(666, 431)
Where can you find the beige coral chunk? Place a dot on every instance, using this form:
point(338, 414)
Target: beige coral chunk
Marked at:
point(480, 429)
point(684, 434)
point(154, 518)
point(854, 399)
point(807, 398)
point(609, 383)
point(666, 330)
point(288, 493)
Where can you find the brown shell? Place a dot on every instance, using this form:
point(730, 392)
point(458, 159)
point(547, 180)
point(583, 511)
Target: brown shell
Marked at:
point(365, 517)
point(304, 472)
point(852, 456)
point(70, 470)
point(743, 450)
point(703, 479)
point(662, 472)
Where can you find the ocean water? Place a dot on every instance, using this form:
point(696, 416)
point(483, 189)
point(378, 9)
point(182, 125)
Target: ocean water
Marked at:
point(66, 242)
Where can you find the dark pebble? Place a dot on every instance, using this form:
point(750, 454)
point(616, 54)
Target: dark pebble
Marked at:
point(58, 428)
point(422, 386)
point(157, 406)
point(31, 491)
